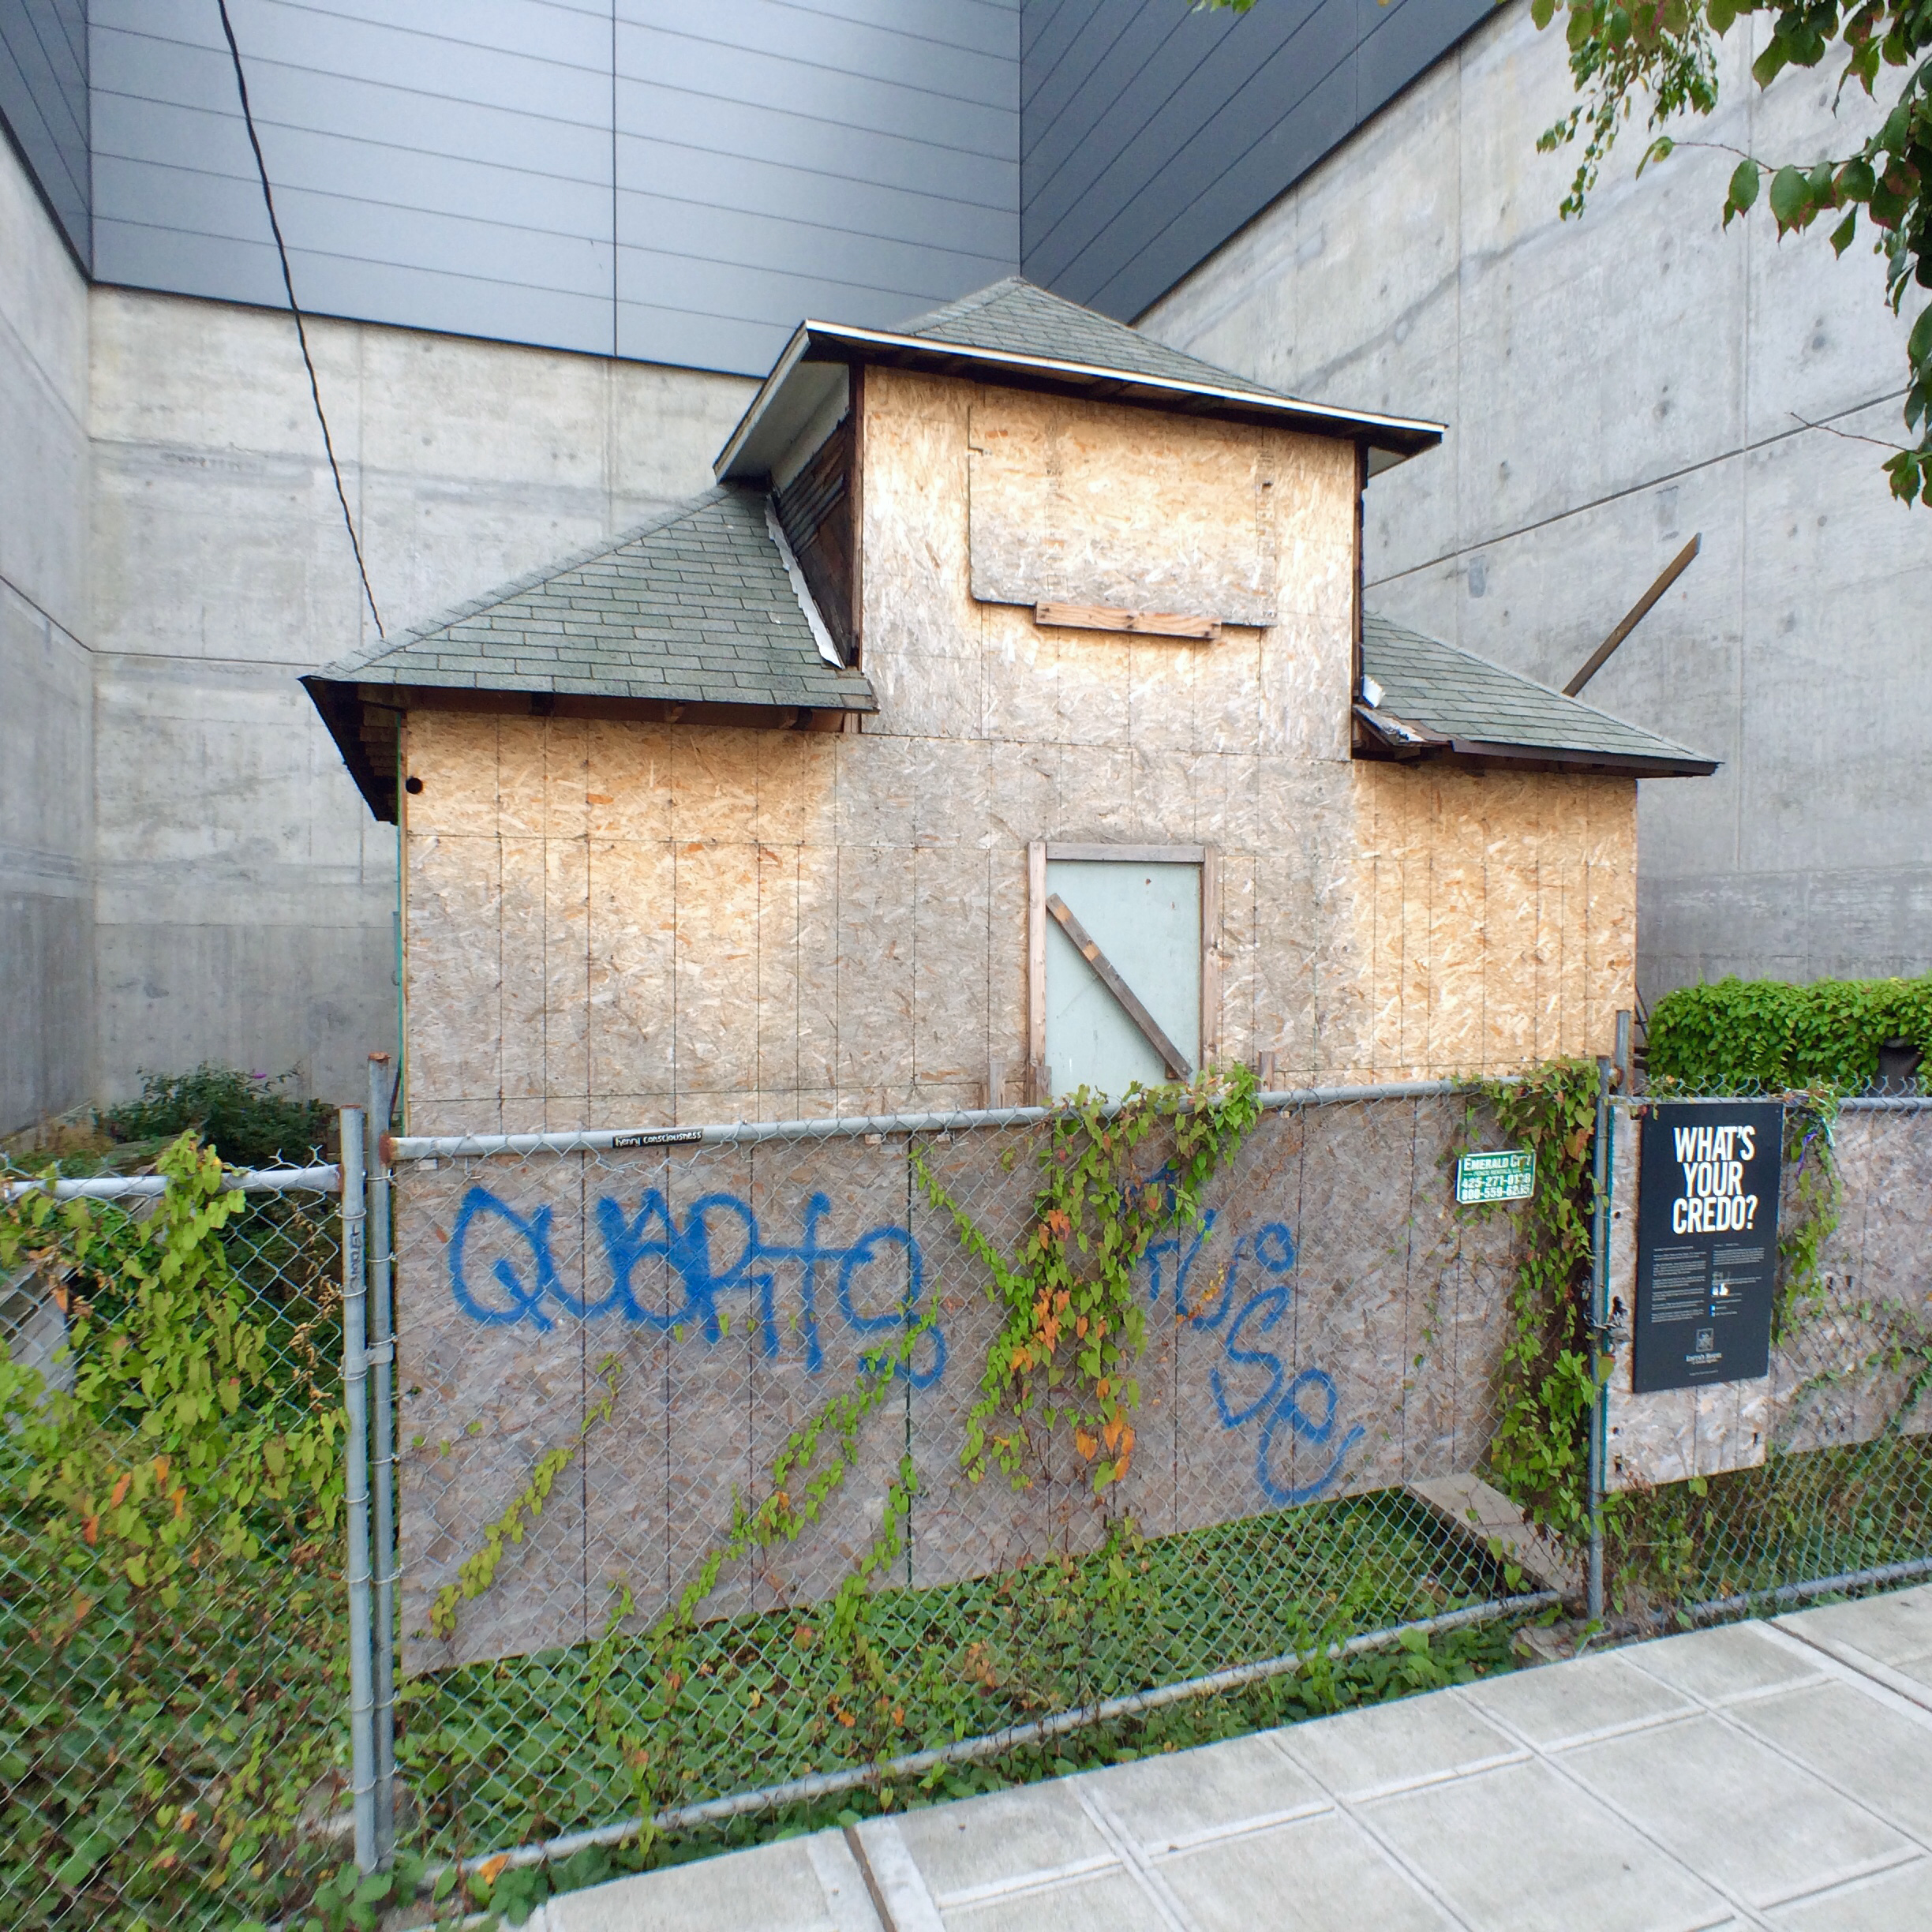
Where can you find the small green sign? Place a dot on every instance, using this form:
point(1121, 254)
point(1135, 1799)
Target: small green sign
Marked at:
point(1508, 1174)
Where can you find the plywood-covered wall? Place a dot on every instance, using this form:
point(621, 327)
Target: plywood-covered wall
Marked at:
point(624, 923)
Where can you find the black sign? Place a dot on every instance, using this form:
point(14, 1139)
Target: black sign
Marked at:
point(1707, 1202)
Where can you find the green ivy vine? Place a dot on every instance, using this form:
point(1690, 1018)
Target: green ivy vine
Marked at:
point(1071, 1321)
point(1810, 1209)
point(1539, 1456)
point(171, 1653)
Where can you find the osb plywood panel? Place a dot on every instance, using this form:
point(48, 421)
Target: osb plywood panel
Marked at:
point(611, 923)
point(1845, 1362)
point(1500, 915)
point(1336, 1326)
point(1084, 503)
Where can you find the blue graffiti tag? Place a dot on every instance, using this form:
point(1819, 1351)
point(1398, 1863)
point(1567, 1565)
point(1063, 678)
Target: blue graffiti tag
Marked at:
point(1289, 1410)
point(668, 1273)
point(1271, 1248)
point(535, 1230)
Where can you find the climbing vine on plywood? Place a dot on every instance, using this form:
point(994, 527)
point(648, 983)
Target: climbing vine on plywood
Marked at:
point(1540, 1453)
point(1811, 1208)
point(1072, 1323)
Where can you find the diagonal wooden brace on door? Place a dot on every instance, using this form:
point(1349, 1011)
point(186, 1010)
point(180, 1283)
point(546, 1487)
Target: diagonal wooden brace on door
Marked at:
point(1171, 1055)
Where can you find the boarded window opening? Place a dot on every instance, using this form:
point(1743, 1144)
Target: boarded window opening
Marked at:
point(1123, 988)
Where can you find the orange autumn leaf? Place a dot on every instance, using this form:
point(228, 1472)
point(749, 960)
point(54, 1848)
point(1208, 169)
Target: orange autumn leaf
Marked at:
point(120, 1490)
point(492, 1869)
point(1084, 1444)
point(90, 1530)
point(1021, 1361)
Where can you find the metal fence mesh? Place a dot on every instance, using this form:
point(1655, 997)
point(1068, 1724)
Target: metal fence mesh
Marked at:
point(171, 1714)
point(606, 1352)
point(1840, 1487)
point(644, 1331)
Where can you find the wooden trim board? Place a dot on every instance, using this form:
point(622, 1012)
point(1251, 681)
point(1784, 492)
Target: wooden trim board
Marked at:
point(1131, 855)
point(1037, 1085)
point(1142, 624)
point(1488, 1518)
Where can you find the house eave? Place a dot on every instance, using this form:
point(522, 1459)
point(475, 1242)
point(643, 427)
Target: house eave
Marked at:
point(787, 397)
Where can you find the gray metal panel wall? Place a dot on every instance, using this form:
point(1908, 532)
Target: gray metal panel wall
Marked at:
point(669, 183)
point(1150, 133)
point(43, 101)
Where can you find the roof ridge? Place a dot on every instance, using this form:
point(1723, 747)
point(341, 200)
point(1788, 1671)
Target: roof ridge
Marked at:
point(966, 305)
point(530, 580)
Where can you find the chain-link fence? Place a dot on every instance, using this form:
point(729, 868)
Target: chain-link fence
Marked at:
point(618, 1348)
point(1818, 1476)
point(173, 1652)
point(713, 1492)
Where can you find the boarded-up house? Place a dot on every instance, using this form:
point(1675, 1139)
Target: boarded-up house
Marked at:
point(1007, 635)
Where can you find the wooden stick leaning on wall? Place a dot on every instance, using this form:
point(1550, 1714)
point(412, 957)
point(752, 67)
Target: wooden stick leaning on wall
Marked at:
point(1639, 610)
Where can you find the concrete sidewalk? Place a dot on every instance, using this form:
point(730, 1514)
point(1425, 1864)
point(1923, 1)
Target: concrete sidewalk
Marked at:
point(1776, 1775)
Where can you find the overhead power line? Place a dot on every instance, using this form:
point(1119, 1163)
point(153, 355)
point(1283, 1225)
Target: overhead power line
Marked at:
point(302, 333)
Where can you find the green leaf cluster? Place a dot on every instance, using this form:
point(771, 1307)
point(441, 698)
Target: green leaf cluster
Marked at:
point(1071, 1320)
point(243, 1118)
point(1539, 1454)
point(171, 1655)
point(1740, 1035)
point(1665, 50)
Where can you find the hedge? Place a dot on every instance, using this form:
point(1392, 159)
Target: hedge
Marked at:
point(1769, 1033)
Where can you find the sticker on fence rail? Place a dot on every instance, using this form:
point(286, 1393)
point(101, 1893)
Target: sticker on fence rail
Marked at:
point(1507, 1175)
point(637, 1335)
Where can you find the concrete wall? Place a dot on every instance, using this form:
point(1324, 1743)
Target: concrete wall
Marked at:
point(46, 678)
point(1611, 387)
point(246, 899)
point(612, 923)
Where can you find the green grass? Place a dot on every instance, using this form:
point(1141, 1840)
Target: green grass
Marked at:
point(1825, 1513)
point(513, 1753)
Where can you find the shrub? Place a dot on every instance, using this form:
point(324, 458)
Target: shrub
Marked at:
point(1771, 1034)
point(241, 1116)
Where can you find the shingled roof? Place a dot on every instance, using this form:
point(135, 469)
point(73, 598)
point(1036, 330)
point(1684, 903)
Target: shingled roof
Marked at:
point(1017, 318)
point(1422, 698)
point(1020, 336)
point(698, 608)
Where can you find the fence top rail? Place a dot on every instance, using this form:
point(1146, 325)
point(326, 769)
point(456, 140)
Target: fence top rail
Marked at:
point(597, 1141)
point(324, 1179)
point(1850, 1103)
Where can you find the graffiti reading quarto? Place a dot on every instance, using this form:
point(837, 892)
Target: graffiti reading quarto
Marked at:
point(678, 1274)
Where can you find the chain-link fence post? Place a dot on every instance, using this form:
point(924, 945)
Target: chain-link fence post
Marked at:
point(355, 1395)
point(1599, 1316)
point(382, 1358)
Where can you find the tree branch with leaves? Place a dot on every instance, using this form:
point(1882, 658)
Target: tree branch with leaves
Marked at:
point(1664, 52)
point(1623, 53)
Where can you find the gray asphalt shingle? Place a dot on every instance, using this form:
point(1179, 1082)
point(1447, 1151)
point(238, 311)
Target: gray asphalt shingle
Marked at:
point(694, 607)
point(1454, 694)
point(1016, 318)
